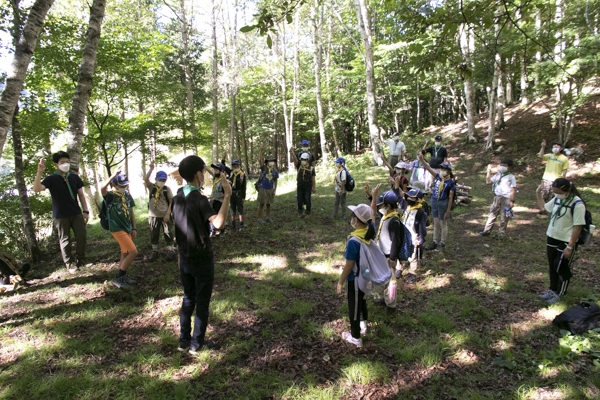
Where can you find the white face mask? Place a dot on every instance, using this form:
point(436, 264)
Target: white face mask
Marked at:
point(64, 167)
point(398, 171)
point(396, 139)
point(503, 169)
point(353, 222)
point(383, 210)
point(560, 196)
point(304, 162)
point(121, 189)
point(443, 173)
point(437, 144)
point(270, 163)
point(555, 150)
point(236, 170)
point(305, 148)
point(160, 183)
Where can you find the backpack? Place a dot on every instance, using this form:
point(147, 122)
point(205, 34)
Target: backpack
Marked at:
point(408, 248)
point(349, 181)
point(373, 259)
point(104, 211)
point(153, 191)
point(427, 210)
point(585, 237)
point(579, 319)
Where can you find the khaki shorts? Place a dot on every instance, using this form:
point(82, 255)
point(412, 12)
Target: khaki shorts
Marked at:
point(266, 196)
point(125, 241)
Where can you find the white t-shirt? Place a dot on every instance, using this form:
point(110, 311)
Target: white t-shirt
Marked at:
point(396, 149)
point(503, 184)
point(340, 176)
point(562, 220)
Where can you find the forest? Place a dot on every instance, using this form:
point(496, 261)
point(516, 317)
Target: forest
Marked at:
point(126, 84)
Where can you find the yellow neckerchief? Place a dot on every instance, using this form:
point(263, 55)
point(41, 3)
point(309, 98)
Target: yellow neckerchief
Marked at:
point(66, 178)
point(269, 174)
point(124, 204)
point(187, 189)
point(336, 172)
point(409, 209)
point(360, 235)
point(443, 182)
point(305, 168)
point(386, 216)
point(157, 194)
point(235, 175)
point(215, 183)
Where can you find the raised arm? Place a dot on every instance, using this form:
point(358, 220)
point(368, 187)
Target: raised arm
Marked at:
point(261, 160)
point(426, 165)
point(388, 165)
point(220, 219)
point(293, 157)
point(488, 175)
point(37, 182)
point(539, 199)
point(374, 196)
point(106, 183)
point(543, 147)
point(147, 176)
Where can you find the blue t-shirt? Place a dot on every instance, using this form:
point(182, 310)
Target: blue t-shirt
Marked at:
point(442, 189)
point(352, 253)
point(270, 176)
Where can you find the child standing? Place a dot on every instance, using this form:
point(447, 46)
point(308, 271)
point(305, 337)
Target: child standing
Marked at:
point(158, 206)
point(267, 186)
point(217, 193)
point(364, 230)
point(340, 188)
point(415, 220)
point(305, 184)
point(442, 197)
point(193, 215)
point(121, 223)
point(505, 187)
point(238, 194)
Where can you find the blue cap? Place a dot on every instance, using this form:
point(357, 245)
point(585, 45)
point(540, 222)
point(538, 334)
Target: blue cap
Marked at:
point(236, 162)
point(415, 192)
point(305, 142)
point(161, 176)
point(388, 197)
point(120, 179)
point(446, 165)
point(340, 160)
point(219, 166)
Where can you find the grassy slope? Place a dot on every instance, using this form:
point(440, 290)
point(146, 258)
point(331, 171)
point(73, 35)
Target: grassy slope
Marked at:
point(472, 327)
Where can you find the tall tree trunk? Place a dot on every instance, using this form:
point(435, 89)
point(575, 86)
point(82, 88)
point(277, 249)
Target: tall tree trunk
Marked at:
point(509, 94)
point(215, 87)
point(467, 46)
point(418, 106)
point(277, 48)
point(362, 16)
point(28, 225)
point(328, 84)
point(83, 90)
point(501, 98)
point(15, 75)
point(187, 72)
point(524, 78)
point(317, 20)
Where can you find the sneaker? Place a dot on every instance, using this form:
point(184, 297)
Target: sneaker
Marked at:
point(554, 298)
point(128, 280)
point(261, 221)
point(170, 248)
point(482, 234)
point(184, 346)
point(268, 219)
point(430, 246)
point(440, 247)
point(241, 228)
point(363, 327)
point(72, 267)
point(347, 336)
point(208, 344)
point(547, 294)
point(121, 282)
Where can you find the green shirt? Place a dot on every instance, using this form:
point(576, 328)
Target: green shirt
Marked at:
point(119, 213)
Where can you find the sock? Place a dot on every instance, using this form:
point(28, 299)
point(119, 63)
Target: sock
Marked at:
point(121, 273)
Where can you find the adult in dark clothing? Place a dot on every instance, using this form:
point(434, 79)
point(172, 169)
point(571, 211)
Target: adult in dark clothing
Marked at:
point(192, 215)
point(65, 189)
point(239, 181)
point(438, 153)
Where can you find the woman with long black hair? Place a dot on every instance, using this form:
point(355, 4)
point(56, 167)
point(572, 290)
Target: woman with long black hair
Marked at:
point(567, 218)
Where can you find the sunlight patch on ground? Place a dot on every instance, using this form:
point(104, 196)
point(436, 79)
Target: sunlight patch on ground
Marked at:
point(547, 314)
point(322, 268)
point(486, 281)
point(269, 262)
point(309, 254)
point(436, 282)
point(501, 345)
point(465, 357)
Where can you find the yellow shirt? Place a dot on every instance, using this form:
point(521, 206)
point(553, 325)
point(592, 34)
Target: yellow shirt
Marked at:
point(555, 165)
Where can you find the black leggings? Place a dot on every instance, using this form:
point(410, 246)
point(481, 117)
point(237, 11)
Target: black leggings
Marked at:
point(559, 268)
point(357, 307)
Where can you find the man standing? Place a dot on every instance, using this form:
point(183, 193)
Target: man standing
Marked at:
point(65, 188)
point(557, 165)
point(505, 188)
point(397, 150)
point(439, 154)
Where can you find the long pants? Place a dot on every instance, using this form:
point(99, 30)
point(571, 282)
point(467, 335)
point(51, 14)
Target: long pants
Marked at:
point(497, 208)
point(559, 268)
point(357, 307)
point(393, 160)
point(303, 195)
point(197, 283)
point(63, 227)
point(340, 200)
point(158, 224)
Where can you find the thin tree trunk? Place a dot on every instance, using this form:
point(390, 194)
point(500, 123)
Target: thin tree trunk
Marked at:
point(328, 84)
point(83, 90)
point(317, 60)
point(215, 75)
point(467, 46)
point(18, 69)
point(501, 98)
point(187, 72)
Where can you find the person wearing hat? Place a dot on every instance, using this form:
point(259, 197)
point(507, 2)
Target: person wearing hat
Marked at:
point(65, 189)
point(557, 165)
point(442, 197)
point(364, 230)
point(415, 220)
point(397, 149)
point(267, 185)
point(398, 179)
point(439, 154)
point(216, 197)
point(159, 205)
point(238, 193)
point(305, 148)
point(505, 188)
point(340, 188)
point(121, 223)
point(305, 184)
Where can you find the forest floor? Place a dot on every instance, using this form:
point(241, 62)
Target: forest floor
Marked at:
point(471, 327)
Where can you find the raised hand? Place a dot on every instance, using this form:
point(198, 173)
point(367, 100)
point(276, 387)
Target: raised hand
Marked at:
point(42, 165)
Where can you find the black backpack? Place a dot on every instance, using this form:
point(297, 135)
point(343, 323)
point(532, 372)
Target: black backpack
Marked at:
point(349, 181)
point(104, 211)
point(579, 319)
point(585, 236)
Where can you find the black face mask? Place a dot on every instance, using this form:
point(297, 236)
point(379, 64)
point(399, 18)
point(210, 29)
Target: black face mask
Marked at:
point(217, 175)
point(411, 202)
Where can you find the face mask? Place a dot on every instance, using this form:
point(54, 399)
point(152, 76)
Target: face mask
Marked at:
point(304, 148)
point(64, 167)
point(503, 169)
point(160, 183)
point(217, 174)
point(121, 189)
point(339, 165)
point(353, 222)
point(271, 163)
point(411, 202)
point(437, 144)
point(398, 171)
point(443, 173)
point(396, 139)
point(383, 210)
point(236, 170)
point(304, 162)
point(555, 150)
point(560, 196)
